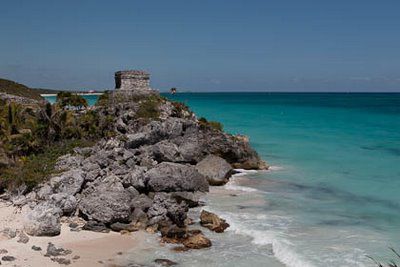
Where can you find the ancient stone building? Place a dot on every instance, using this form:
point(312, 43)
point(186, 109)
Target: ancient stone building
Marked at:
point(133, 80)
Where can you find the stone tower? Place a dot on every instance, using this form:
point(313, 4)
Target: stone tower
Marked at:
point(132, 80)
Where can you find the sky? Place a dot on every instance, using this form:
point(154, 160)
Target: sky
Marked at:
point(207, 45)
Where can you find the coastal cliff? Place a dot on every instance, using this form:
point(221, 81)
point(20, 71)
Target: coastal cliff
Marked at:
point(155, 163)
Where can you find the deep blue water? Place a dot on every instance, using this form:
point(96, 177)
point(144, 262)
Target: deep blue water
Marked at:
point(336, 175)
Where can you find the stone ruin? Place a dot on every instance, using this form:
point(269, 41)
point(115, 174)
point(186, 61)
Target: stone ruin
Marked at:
point(132, 81)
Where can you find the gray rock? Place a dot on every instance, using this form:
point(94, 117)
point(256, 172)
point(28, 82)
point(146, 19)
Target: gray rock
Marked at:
point(8, 258)
point(53, 251)
point(135, 178)
point(23, 238)
point(43, 220)
point(142, 202)
point(69, 182)
point(122, 227)
point(3, 251)
point(192, 199)
point(96, 227)
point(165, 208)
point(44, 192)
point(35, 248)
point(166, 151)
point(67, 203)
point(171, 177)
point(106, 202)
point(62, 261)
point(67, 162)
point(215, 169)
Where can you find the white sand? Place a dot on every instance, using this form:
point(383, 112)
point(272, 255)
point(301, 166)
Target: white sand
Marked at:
point(91, 247)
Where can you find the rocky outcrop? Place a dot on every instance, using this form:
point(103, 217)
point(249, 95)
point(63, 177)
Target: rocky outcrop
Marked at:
point(146, 176)
point(213, 222)
point(215, 169)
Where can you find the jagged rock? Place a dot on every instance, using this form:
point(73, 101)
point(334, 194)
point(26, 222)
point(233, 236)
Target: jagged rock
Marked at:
point(197, 241)
point(135, 178)
point(165, 208)
point(165, 262)
point(166, 151)
point(95, 227)
point(106, 202)
point(67, 162)
point(142, 202)
point(123, 227)
point(53, 251)
point(69, 182)
point(3, 251)
point(139, 218)
point(8, 258)
point(170, 177)
point(215, 169)
point(213, 222)
point(43, 220)
point(62, 261)
point(44, 192)
point(192, 199)
point(67, 203)
point(35, 248)
point(23, 238)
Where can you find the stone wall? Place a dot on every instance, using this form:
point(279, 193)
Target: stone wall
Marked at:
point(132, 80)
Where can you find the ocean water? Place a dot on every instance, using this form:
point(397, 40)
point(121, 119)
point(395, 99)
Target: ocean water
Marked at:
point(332, 196)
point(91, 99)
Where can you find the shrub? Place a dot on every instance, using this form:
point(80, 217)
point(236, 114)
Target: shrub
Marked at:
point(149, 108)
point(35, 168)
point(68, 99)
point(211, 124)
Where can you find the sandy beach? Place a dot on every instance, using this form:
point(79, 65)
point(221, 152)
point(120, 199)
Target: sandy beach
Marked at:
point(93, 249)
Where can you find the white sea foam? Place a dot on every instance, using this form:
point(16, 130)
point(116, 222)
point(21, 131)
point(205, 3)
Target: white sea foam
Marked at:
point(282, 248)
point(275, 168)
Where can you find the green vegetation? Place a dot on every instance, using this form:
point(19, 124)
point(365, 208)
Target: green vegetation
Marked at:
point(68, 99)
point(13, 88)
point(35, 168)
point(211, 124)
point(32, 137)
point(149, 108)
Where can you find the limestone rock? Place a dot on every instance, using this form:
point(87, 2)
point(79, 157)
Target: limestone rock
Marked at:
point(213, 222)
point(43, 220)
point(215, 169)
point(170, 177)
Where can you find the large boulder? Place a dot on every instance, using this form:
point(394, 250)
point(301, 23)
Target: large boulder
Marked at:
point(43, 220)
point(106, 201)
point(171, 177)
point(69, 182)
point(165, 208)
point(215, 169)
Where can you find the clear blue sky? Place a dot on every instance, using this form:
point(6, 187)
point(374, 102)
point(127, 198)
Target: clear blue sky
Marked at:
point(207, 45)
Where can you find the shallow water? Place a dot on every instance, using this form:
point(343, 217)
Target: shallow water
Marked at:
point(332, 197)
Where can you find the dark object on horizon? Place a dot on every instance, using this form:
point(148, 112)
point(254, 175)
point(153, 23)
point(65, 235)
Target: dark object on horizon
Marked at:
point(173, 90)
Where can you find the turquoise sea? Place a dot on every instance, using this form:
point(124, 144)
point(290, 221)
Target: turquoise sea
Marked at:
point(332, 196)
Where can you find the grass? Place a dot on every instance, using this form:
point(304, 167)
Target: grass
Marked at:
point(13, 88)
